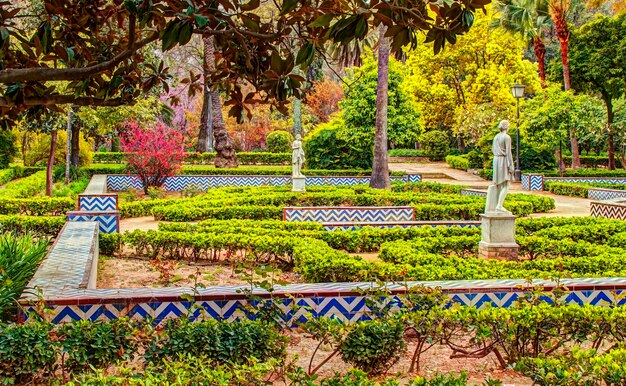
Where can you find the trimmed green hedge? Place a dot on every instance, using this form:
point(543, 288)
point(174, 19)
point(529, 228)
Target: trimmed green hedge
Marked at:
point(405, 153)
point(577, 189)
point(18, 171)
point(38, 206)
point(241, 171)
point(431, 202)
point(245, 158)
point(38, 225)
point(458, 162)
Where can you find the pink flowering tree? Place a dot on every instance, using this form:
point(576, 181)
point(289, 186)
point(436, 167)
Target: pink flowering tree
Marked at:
point(153, 153)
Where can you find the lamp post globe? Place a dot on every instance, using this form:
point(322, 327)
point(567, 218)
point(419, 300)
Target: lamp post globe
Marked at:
point(518, 93)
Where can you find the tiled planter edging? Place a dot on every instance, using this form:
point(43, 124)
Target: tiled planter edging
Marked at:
point(536, 181)
point(118, 182)
point(474, 192)
point(95, 204)
point(532, 182)
point(66, 279)
point(334, 226)
point(349, 213)
point(615, 208)
point(605, 194)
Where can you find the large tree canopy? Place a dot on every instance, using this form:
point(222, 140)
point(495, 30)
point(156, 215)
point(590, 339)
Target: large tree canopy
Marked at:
point(94, 52)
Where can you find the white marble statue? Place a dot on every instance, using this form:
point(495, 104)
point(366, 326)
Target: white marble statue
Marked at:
point(297, 158)
point(503, 170)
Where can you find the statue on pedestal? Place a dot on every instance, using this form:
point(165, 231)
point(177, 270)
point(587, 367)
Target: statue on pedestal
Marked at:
point(503, 170)
point(297, 157)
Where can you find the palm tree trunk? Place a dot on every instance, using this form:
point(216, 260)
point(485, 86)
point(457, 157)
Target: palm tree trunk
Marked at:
point(562, 34)
point(53, 147)
point(611, 136)
point(539, 48)
point(380, 168)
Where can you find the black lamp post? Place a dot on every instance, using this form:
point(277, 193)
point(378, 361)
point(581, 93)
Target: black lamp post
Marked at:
point(518, 93)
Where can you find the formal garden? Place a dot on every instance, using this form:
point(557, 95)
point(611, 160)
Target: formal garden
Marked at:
point(313, 193)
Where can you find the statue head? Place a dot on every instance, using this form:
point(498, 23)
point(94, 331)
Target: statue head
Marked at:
point(504, 125)
point(298, 137)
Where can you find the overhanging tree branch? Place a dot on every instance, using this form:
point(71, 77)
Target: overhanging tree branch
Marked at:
point(38, 74)
point(65, 99)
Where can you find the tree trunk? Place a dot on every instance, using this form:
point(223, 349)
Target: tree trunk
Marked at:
point(297, 116)
point(380, 168)
point(75, 142)
point(53, 147)
point(611, 137)
point(224, 144)
point(539, 49)
point(562, 34)
point(206, 115)
point(68, 146)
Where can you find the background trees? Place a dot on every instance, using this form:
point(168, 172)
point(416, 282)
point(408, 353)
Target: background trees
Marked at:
point(598, 66)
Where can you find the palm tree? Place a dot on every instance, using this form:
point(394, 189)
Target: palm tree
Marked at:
point(528, 18)
point(559, 9)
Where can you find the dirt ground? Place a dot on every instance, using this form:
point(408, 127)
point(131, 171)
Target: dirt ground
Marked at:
point(138, 273)
point(437, 359)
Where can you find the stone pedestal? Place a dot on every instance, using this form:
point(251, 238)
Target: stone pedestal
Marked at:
point(298, 184)
point(498, 236)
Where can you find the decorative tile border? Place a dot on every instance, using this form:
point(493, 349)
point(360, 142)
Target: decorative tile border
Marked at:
point(97, 203)
point(615, 208)
point(109, 222)
point(372, 214)
point(345, 301)
point(474, 192)
point(532, 182)
point(117, 182)
point(605, 194)
point(603, 180)
point(334, 226)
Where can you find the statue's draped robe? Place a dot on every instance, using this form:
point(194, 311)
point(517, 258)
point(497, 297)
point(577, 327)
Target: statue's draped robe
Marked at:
point(502, 158)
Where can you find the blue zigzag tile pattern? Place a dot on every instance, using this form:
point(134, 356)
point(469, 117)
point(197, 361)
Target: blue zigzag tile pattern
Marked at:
point(349, 308)
point(474, 192)
point(349, 214)
point(605, 194)
point(532, 182)
point(386, 225)
point(117, 183)
point(99, 203)
point(108, 222)
point(603, 180)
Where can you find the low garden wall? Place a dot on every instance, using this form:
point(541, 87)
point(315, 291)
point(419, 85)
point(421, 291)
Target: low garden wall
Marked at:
point(95, 204)
point(118, 182)
point(66, 280)
point(615, 208)
point(536, 181)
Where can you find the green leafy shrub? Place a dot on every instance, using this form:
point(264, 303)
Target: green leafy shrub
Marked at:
point(279, 141)
point(435, 145)
point(37, 225)
point(38, 206)
point(326, 149)
point(244, 342)
point(20, 257)
point(375, 345)
point(14, 172)
point(26, 187)
point(26, 351)
point(532, 158)
point(405, 153)
point(458, 162)
point(89, 344)
point(8, 150)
